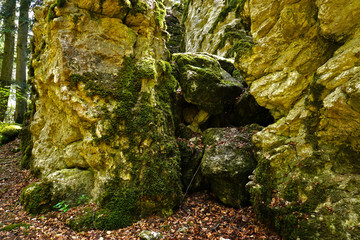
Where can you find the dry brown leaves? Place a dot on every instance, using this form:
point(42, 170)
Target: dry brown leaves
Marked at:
point(200, 216)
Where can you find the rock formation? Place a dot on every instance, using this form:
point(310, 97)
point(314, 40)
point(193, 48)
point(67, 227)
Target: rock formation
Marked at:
point(304, 68)
point(103, 124)
point(302, 63)
point(108, 108)
point(215, 27)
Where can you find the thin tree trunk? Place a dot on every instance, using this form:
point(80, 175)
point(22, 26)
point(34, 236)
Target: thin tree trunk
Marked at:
point(21, 99)
point(8, 59)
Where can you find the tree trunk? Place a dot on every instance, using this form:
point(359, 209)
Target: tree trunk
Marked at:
point(21, 99)
point(8, 59)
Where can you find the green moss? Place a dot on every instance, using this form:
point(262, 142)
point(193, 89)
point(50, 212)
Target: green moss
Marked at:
point(240, 48)
point(60, 3)
point(140, 6)
point(239, 8)
point(51, 12)
point(160, 13)
point(146, 68)
point(36, 198)
point(8, 132)
point(26, 144)
point(233, 4)
point(14, 226)
point(186, 11)
point(155, 185)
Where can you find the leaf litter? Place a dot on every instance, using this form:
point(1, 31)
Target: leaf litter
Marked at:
point(200, 215)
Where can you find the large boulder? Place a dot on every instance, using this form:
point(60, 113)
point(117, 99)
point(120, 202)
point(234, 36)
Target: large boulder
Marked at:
point(228, 161)
point(205, 83)
point(103, 108)
point(304, 67)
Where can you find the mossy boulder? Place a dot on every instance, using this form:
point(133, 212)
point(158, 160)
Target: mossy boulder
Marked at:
point(228, 161)
point(37, 199)
point(204, 83)
point(8, 132)
point(71, 184)
point(107, 130)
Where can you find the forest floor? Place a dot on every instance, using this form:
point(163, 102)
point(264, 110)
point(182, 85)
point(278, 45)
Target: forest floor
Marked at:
point(199, 217)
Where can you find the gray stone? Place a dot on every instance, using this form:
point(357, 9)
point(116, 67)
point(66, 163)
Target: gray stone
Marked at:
point(204, 83)
point(228, 161)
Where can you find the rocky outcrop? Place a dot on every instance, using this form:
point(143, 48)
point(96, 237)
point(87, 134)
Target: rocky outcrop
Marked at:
point(300, 60)
point(103, 109)
point(304, 68)
point(176, 31)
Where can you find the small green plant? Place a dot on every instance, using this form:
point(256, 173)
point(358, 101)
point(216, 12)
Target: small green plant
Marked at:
point(83, 199)
point(62, 206)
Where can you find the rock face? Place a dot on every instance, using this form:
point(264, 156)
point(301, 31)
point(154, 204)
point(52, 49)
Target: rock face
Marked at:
point(302, 63)
point(304, 67)
point(216, 27)
point(103, 108)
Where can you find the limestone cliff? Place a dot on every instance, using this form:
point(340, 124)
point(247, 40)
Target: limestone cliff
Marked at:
point(103, 125)
point(304, 67)
point(302, 63)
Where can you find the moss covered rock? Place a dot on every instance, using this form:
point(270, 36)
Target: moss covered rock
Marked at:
point(204, 83)
point(191, 152)
point(228, 161)
point(104, 124)
point(8, 132)
point(36, 198)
